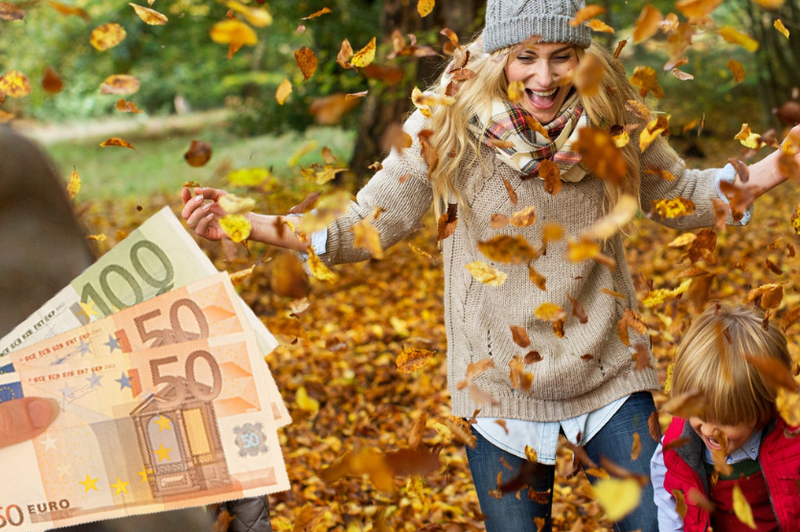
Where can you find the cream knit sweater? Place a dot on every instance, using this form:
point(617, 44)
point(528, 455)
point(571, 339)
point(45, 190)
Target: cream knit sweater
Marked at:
point(477, 316)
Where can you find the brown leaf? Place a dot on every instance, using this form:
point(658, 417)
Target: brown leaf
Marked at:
point(51, 82)
point(120, 84)
point(328, 110)
point(288, 278)
point(639, 109)
point(198, 154)
point(613, 293)
point(519, 378)
point(319, 13)
point(10, 12)
point(685, 405)
point(307, 61)
point(775, 372)
point(308, 518)
point(641, 356)
point(589, 75)
point(537, 278)
point(520, 336)
point(633, 320)
point(532, 357)
point(654, 427)
point(411, 359)
point(620, 45)
point(429, 153)
point(523, 218)
point(600, 154)
point(551, 173)
point(508, 249)
point(127, 107)
point(699, 289)
point(647, 24)
point(69, 10)
point(448, 222)
point(703, 247)
point(511, 192)
point(498, 221)
point(344, 55)
point(577, 310)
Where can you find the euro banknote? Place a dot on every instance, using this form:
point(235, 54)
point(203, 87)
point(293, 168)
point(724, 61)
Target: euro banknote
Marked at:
point(144, 431)
point(154, 259)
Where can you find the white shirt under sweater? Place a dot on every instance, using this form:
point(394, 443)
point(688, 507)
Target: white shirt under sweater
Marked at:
point(542, 436)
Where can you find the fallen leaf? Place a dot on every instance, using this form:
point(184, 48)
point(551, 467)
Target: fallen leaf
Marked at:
point(742, 508)
point(69, 10)
point(344, 55)
point(448, 222)
point(781, 27)
point(585, 13)
point(607, 226)
point(600, 26)
point(652, 131)
point(236, 226)
point(330, 109)
point(737, 70)
point(656, 297)
point(198, 154)
point(412, 359)
point(618, 497)
point(520, 336)
point(233, 32)
point(600, 154)
point(633, 320)
point(588, 76)
point(673, 208)
point(697, 8)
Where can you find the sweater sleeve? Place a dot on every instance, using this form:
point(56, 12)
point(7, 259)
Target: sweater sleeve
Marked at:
point(668, 518)
point(401, 189)
point(699, 186)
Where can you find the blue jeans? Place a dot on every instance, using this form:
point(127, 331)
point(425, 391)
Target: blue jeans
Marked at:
point(614, 441)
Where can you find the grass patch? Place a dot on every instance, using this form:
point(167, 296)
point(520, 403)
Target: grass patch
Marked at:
point(157, 166)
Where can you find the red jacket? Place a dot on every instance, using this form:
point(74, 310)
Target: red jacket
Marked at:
point(779, 458)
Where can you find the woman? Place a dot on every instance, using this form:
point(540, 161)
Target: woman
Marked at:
point(585, 384)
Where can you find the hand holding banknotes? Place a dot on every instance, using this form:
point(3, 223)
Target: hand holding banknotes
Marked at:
point(203, 218)
point(36, 220)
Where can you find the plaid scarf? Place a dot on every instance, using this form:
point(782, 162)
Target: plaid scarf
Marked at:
point(504, 121)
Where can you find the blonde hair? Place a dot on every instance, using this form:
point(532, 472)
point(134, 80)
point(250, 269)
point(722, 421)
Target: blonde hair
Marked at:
point(457, 145)
point(711, 360)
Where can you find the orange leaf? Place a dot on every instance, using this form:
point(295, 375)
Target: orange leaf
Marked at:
point(600, 26)
point(697, 8)
point(149, 16)
point(647, 24)
point(448, 221)
point(523, 218)
point(588, 75)
point(411, 359)
point(652, 131)
point(319, 13)
point(600, 154)
point(737, 69)
point(330, 109)
point(116, 141)
point(736, 37)
point(508, 249)
point(307, 61)
point(107, 36)
point(647, 80)
point(283, 91)
point(424, 7)
point(233, 32)
point(127, 107)
point(585, 13)
point(520, 336)
point(344, 55)
point(69, 10)
point(9, 12)
point(781, 27)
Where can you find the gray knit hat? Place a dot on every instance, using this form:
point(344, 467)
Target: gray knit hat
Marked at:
point(510, 22)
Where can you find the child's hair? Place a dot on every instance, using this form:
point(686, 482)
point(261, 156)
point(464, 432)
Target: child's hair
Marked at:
point(711, 360)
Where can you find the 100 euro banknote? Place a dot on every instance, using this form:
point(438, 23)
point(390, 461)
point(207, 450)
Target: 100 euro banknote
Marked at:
point(159, 429)
point(154, 259)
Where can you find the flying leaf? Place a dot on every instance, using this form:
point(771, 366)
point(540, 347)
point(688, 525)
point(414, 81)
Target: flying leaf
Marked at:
point(523, 218)
point(673, 208)
point(588, 76)
point(639, 109)
point(236, 226)
point(580, 250)
point(10, 12)
point(51, 82)
point(329, 110)
point(646, 79)
point(319, 13)
point(69, 10)
point(697, 8)
point(508, 249)
point(448, 221)
point(486, 274)
point(618, 497)
point(247, 177)
point(781, 27)
point(550, 312)
point(365, 56)
point(304, 402)
point(600, 154)
point(607, 226)
point(681, 75)
point(149, 16)
point(121, 84)
point(367, 236)
point(652, 131)
point(424, 7)
point(283, 91)
point(633, 320)
point(788, 406)
point(512, 194)
point(233, 32)
point(520, 379)
point(107, 36)
point(116, 141)
point(481, 397)
point(5, 117)
point(307, 61)
point(736, 37)
point(551, 173)
point(737, 69)
point(600, 26)
point(15, 84)
point(473, 370)
point(749, 139)
point(257, 16)
point(127, 107)
point(288, 277)
point(412, 359)
point(657, 297)
point(537, 278)
point(198, 154)
point(683, 240)
point(520, 336)
point(742, 508)
point(585, 13)
point(515, 91)
point(429, 153)
point(318, 268)
point(74, 184)
point(344, 55)
point(647, 24)
point(577, 310)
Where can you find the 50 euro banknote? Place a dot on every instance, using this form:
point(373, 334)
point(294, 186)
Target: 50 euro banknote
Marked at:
point(159, 429)
point(156, 258)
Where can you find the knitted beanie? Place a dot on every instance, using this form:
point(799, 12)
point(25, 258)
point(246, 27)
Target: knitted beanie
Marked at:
point(510, 22)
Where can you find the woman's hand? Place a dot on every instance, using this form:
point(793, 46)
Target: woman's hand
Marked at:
point(203, 217)
point(24, 419)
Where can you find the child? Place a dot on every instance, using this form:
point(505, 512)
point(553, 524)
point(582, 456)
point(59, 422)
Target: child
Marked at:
point(737, 418)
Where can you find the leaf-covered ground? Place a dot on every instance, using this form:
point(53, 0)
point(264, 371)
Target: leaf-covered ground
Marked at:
point(336, 367)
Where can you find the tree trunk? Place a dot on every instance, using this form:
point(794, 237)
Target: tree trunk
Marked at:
point(387, 104)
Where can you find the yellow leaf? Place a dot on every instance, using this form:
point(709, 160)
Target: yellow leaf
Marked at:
point(673, 208)
point(233, 32)
point(781, 27)
point(742, 508)
point(749, 139)
point(618, 497)
point(788, 405)
point(646, 79)
point(74, 184)
point(236, 226)
point(365, 56)
point(318, 268)
point(107, 36)
point(424, 7)
point(550, 312)
point(411, 359)
point(652, 131)
point(736, 37)
point(120, 84)
point(416, 96)
point(486, 273)
point(578, 251)
point(283, 92)
point(606, 227)
point(233, 204)
point(97, 238)
point(149, 16)
point(127, 107)
point(523, 218)
point(516, 90)
point(683, 240)
point(659, 296)
point(530, 454)
point(248, 177)
point(303, 150)
point(330, 207)
point(304, 402)
point(257, 16)
point(15, 84)
point(770, 4)
point(367, 236)
point(509, 249)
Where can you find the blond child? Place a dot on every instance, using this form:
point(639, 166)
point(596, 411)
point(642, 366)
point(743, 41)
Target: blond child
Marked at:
point(737, 417)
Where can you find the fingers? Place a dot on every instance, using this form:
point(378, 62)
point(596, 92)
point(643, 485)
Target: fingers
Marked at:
point(203, 223)
point(186, 195)
point(23, 419)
